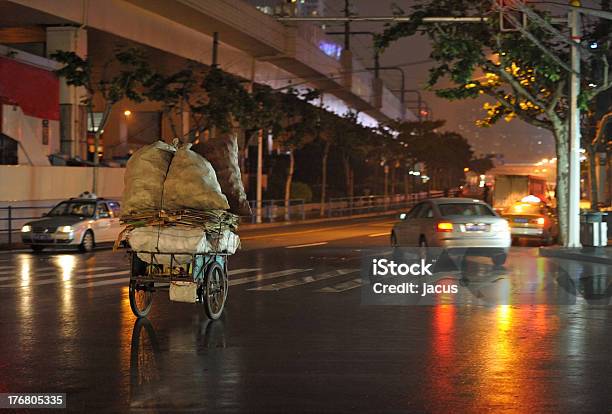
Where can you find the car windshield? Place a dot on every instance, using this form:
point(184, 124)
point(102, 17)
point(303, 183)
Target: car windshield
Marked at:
point(465, 209)
point(73, 208)
point(524, 208)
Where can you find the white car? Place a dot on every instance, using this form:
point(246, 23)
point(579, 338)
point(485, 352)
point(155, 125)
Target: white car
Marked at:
point(457, 224)
point(80, 222)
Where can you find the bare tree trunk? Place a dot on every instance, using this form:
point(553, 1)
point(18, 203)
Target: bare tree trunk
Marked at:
point(393, 179)
point(347, 175)
point(288, 183)
point(593, 175)
point(324, 176)
point(562, 190)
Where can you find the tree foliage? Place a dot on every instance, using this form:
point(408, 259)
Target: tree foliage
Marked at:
point(522, 72)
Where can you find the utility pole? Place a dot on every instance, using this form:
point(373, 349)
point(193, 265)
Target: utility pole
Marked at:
point(347, 26)
point(259, 176)
point(215, 50)
point(573, 237)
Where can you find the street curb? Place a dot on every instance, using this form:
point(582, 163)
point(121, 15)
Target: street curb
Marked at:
point(576, 254)
point(251, 226)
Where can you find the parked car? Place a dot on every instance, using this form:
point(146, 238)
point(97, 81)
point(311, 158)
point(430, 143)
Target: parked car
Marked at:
point(532, 220)
point(461, 225)
point(80, 222)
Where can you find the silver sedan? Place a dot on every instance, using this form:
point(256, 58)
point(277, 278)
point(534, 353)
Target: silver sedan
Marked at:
point(462, 225)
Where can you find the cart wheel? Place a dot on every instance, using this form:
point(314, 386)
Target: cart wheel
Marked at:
point(141, 298)
point(214, 291)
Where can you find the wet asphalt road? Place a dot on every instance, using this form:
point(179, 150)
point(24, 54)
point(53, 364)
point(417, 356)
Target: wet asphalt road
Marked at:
point(295, 336)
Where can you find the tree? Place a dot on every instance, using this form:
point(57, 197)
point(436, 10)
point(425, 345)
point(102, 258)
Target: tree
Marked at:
point(121, 77)
point(297, 126)
point(354, 142)
point(518, 73)
point(481, 165)
point(174, 92)
point(445, 154)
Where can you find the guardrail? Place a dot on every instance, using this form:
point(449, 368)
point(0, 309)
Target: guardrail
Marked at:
point(12, 218)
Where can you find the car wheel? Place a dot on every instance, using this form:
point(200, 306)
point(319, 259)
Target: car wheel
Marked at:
point(37, 248)
point(499, 259)
point(515, 241)
point(88, 242)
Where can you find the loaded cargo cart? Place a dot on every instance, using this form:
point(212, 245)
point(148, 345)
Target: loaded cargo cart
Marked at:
point(178, 225)
point(203, 280)
point(184, 252)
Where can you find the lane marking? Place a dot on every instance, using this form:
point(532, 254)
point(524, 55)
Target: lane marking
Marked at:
point(267, 276)
point(379, 234)
point(102, 283)
point(305, 280)
point(306, 245)
point(293, 233)
point(342, 287)
point(240, 271)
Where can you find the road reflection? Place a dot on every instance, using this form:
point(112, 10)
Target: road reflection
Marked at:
point(175, 374)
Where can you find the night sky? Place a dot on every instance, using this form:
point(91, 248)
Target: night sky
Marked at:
point(516, 140)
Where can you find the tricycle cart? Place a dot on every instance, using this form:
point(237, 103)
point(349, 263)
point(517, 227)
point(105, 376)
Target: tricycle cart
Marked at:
point(203, 274)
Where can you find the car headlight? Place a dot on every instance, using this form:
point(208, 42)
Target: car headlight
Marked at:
point(65, 229)
point(26, 229)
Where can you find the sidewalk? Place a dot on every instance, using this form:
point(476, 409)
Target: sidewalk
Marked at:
point(601, 255)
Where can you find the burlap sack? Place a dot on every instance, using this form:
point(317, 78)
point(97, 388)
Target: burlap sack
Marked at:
point(192, 183)
point(222, 152)
point(144, 177)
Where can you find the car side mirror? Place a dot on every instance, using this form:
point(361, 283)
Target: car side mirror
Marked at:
point(403, 216)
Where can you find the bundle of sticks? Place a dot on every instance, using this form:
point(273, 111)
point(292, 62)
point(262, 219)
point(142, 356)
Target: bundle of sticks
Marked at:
point(209, 220)
point(213, 221)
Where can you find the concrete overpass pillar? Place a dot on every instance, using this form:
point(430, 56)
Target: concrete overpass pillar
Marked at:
point(73, 114)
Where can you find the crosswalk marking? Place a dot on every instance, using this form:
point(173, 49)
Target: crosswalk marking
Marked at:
point(102, 283)
point(58, 280)
point(305, 280)
point(266, 276)
point(57, 270)
point(240, 271)
point(342, 287)
point(102, 276)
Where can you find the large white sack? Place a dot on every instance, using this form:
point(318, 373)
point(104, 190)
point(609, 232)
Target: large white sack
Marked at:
point(168, 239)
point(144, 177)
point(224, 242)
point(192, 183)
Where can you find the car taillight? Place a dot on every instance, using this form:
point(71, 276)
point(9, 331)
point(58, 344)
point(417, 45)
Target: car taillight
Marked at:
point(444, 227)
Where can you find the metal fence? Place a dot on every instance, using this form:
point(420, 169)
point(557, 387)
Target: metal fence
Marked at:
point(12, 217)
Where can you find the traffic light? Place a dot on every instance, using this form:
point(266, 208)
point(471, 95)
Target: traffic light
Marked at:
point(511, 18)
